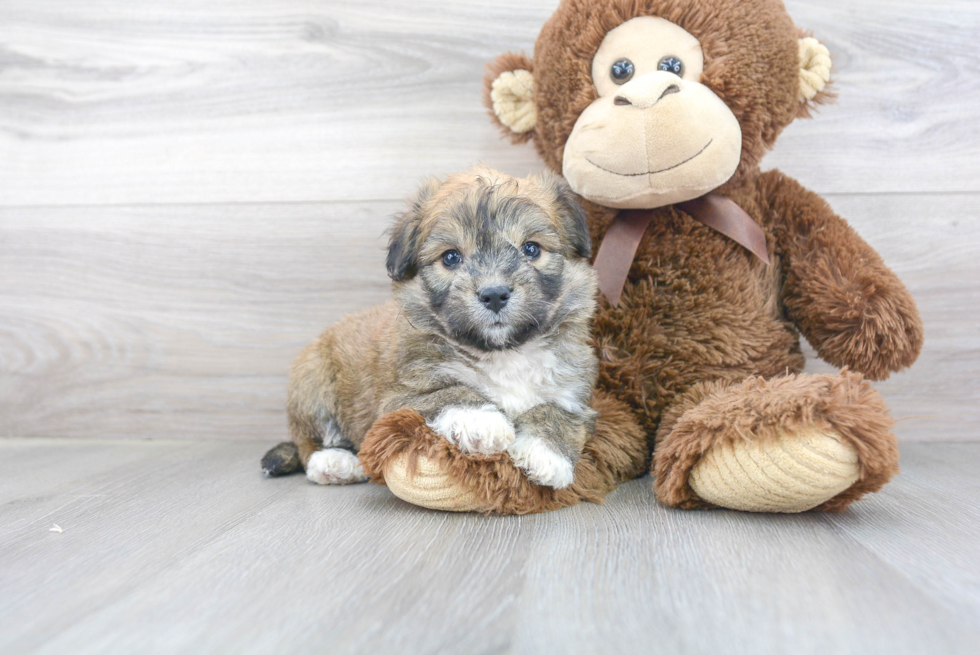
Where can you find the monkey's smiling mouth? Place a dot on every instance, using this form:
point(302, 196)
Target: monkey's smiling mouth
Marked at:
point(662, 170)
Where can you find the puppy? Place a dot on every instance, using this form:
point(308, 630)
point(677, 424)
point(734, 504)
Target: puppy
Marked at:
point(488, 337)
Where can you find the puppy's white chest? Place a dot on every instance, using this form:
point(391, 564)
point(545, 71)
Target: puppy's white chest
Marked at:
point(517, 380)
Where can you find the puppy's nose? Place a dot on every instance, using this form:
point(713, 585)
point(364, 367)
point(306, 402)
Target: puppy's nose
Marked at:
point(494, 298)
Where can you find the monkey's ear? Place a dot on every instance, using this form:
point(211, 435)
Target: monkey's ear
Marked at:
point(815, 67)
point(575, 225)
point(403, 246)
point(508, 92)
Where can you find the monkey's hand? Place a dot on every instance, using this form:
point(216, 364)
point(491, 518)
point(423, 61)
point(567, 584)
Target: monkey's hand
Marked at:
point(850, 306)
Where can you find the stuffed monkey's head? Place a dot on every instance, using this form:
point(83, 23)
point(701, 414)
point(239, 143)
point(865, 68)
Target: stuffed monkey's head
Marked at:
point(647, 103)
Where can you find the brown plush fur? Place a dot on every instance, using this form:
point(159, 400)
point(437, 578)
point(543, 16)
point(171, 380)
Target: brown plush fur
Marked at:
point(704, 344)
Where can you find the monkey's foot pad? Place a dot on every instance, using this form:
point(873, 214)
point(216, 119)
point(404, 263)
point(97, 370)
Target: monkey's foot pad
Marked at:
point(792, 473)
point(430, 487)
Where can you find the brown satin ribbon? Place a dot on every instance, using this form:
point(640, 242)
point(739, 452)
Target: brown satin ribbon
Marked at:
point(618, 247)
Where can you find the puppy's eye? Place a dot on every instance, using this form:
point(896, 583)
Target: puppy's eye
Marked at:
point(451, 258)
point(671, 65)
point(531, 250)
point(621, 71)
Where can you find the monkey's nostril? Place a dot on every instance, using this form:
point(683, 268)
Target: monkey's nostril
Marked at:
point(673, 88)
point(620, 100)
point(494, 298)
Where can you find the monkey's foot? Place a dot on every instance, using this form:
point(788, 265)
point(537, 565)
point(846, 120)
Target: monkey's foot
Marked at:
point(787, 444)
point(430, 485)
point(423, 468)
point(792, 473)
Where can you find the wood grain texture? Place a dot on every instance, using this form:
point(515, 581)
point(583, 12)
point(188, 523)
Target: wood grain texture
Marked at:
point(181, 321)
point(253, 101)
point(183, 547)
point(173, 321)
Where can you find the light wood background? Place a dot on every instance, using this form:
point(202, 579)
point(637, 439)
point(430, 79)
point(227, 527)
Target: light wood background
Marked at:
point(190, 191)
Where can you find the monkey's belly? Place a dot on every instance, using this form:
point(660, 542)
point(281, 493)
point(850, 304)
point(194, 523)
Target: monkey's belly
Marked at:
point(675, 329)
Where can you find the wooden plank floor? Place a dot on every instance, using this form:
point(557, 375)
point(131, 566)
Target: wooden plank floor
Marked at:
point(173, 547)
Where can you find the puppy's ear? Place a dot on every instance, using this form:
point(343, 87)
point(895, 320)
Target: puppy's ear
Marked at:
point(403, 247)
point(574, 224)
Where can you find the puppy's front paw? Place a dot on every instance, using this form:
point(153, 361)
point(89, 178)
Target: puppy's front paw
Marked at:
point(481, 430)
point(542, 463)
point(334, 466)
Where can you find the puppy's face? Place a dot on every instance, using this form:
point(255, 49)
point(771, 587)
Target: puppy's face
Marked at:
point(490, 261)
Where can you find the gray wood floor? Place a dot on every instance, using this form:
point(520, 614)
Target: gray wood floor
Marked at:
point(173, 547)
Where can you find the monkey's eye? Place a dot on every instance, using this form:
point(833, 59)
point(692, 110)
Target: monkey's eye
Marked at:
point(671, 65)
point(621, 71)
point(451, 258)
point(531, 250)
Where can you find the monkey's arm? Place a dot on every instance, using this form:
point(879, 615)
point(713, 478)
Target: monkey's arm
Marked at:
point(850, 306)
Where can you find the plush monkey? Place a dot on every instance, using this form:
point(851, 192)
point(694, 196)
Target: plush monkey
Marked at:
point(658, 112)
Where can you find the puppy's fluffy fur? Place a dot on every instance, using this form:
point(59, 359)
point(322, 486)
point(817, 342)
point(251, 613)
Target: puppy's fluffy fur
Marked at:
point(488, 337)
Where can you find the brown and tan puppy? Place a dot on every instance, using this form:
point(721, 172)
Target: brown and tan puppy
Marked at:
point(488, 337)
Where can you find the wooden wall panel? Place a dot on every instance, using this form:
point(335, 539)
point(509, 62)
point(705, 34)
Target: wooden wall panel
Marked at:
point(191, 191)
point(111, 101)
point(181, 321)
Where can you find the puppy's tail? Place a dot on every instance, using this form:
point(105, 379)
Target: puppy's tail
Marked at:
point(282, 460)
